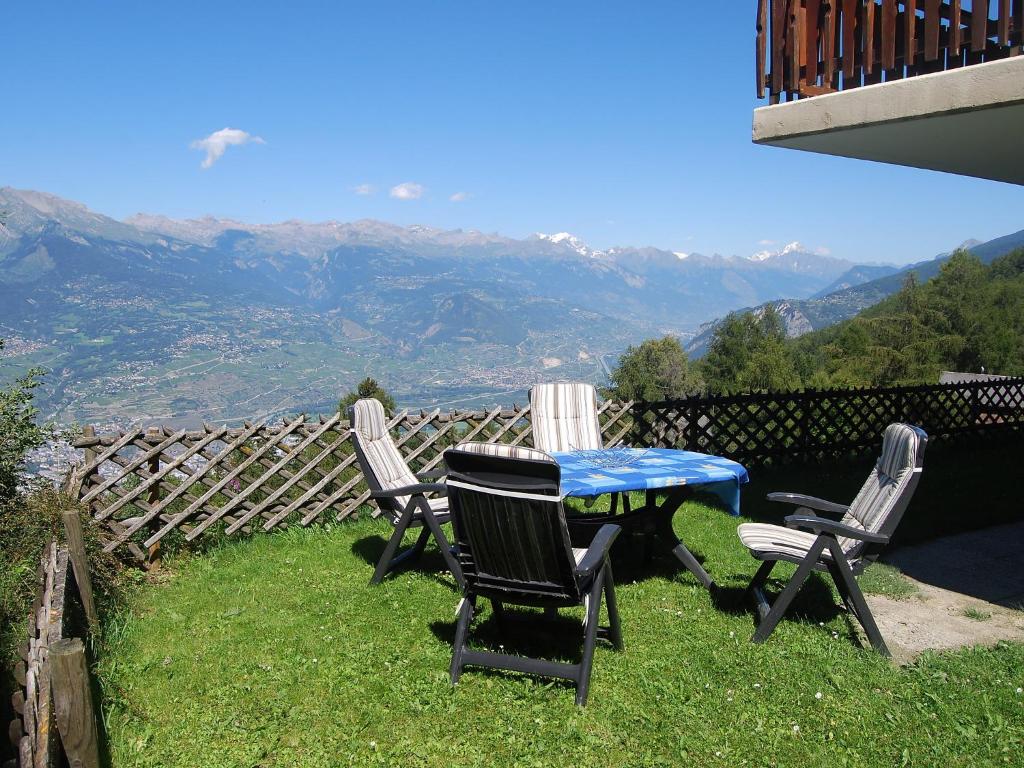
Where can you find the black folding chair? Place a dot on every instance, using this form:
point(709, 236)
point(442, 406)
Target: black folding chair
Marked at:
point(841, 548)
point(408, 501)
point(513, 547)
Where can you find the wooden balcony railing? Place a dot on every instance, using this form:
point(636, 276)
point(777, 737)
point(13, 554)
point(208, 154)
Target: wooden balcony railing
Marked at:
point(810, 47)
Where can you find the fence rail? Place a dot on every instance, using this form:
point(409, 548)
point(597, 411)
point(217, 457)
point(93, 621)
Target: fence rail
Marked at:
point(34, 731)
point(758, 429)
point(145, 485)
point(811, 47)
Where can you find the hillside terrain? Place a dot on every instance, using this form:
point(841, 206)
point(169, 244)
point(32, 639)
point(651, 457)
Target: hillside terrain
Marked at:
point(155, 318)
point(858, 289)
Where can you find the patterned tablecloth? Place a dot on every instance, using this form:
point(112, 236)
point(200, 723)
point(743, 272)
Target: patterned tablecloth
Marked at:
point(615, 470)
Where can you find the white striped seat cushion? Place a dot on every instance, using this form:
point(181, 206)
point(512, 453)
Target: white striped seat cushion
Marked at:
point(869, 511)
point(388, 467)
point(775, 539)
point(505, 451)
point(564, 417)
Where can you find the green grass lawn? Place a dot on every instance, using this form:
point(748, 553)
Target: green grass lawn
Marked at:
point(275, 652)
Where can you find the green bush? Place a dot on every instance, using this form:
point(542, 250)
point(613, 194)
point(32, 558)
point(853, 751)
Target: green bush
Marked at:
point(27, 525)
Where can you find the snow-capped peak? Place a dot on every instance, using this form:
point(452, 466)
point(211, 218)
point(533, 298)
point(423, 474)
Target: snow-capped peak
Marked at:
point(570, 240)
point(795, 246)
point(680, 255)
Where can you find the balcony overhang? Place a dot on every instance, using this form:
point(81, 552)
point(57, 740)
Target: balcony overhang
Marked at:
point(968, 121)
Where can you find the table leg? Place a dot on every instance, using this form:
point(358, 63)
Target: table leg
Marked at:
point(665, 512)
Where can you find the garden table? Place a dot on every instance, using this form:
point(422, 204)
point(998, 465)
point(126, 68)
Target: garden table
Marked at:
point(587, 474)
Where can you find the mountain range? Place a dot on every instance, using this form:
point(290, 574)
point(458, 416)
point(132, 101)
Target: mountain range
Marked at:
point(153, 317)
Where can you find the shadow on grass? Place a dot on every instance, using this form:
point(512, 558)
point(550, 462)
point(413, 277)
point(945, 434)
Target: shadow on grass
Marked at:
point(430, 562)
point(814, 603)
point(526, 632)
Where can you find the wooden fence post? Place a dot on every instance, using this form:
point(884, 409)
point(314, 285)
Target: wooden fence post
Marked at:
point(153, 498)
point(76, 490)
point(80, 563)
point(72, 703)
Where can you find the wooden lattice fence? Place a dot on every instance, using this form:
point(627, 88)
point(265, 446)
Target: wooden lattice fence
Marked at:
point(758, 429)
point(144, 485)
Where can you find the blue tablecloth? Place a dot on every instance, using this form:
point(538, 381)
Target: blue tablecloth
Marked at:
point(616, 470)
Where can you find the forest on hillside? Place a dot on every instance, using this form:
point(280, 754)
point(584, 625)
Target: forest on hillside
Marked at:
point(969, 317)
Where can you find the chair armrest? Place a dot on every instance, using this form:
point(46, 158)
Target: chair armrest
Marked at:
point(598, 550)
point(823, 525)
point(799, 500)
point(431, 474)
point(418, 489)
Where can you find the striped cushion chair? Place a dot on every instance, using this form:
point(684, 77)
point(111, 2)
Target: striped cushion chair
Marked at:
point(564, 418)
point(514, 548)
point(845, 548)
point(401, 495)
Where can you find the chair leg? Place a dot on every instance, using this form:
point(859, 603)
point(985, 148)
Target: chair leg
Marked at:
point(778, 609)
point(861, 610)
point(589, 639)
point(499, 612)
point(614, 625)
point(384, 564)
point(442, 543)
point(844, 591)
point(421, 541)
point(461, 633)
point(762, 575)
point(614, 504)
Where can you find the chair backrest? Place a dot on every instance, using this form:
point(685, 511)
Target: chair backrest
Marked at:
point(509, 523)
point(379, 459)
point(564, 417)
point(882, 500)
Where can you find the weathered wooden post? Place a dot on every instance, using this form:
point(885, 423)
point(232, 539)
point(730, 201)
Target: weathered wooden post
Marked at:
point(72, 703)
point(76, 489)
point(80, 563)
point(153, 498)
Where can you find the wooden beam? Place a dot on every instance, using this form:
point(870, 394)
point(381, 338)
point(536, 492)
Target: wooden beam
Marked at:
point(778, 32)
point(932, 24)
point(760, 64)
point(1003, 24)
point(889, 14)
point(80, 564)
point(828, 44)
point(910, 32)
point(869, 37)
point(849, 39)
point(979, 26)
point(812, 29)
point(955, 36)
point(72, 703)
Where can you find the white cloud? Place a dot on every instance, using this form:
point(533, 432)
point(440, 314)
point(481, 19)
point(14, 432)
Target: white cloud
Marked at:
point(364, 189)
point(459, 197)
point(218, 141)
point(823, 251)
point(766, 242)
point(408, 190)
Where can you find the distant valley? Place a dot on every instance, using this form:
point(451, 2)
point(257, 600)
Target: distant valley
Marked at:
point(181, 321)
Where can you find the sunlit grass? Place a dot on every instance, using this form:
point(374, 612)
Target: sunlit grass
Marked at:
point(275, 652)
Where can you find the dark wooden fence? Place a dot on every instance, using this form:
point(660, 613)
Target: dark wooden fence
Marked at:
point(759, 429)
point(811, 47)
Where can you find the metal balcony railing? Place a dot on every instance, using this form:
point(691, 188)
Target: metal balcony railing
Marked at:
point(810, 47)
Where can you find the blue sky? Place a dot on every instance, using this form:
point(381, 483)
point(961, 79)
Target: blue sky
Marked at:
point(624, 123)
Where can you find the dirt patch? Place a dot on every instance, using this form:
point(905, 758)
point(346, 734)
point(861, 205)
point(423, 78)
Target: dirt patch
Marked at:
point(938, 619)
point(970, 592)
